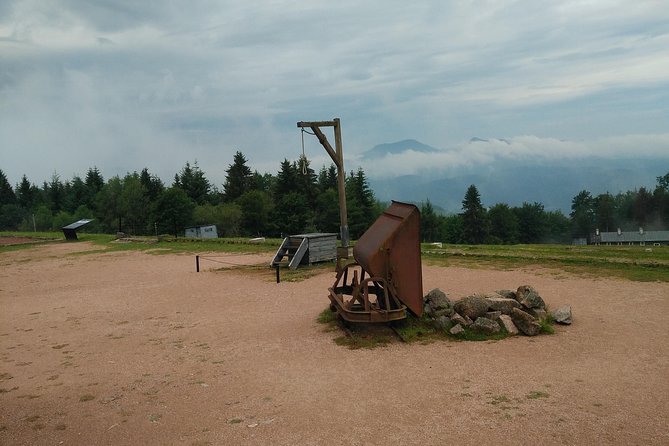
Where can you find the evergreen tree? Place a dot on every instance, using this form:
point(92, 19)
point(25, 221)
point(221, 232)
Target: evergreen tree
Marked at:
point(582, 214)
point(326, 215)
point(605, 212)
point(504, 227)
point(643, 206)
point(663, 182)
point(291, 214)
point(531, 222)
point(256, 208)
point(360, 204)
point(451, 229)
point(286, 180)
point(429, 223)
point(174, 210)
point(238, 178)
point(474, 219)
point(327, 178)
point(76, 194)
point(193, 182)
point(7, 195)
point(26, 194)
point(109, 207)
point(154, 186)
point(94, 182)
point(11, 216)
point(264, 182)
point(55, 193)
point(134, 203)
point(307, 182)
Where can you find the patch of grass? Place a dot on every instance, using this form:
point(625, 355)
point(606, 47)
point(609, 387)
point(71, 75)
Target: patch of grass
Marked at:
point(60, 427)
point(235, 420)
point(155, 417)
point(536, 394)
point(327, 316)
point(86, 397)
point(413, 329)
point(629, 262)
point(471, 335)
point(546, 326)
point(357, 341)
point(305, 272)
point(499, 400)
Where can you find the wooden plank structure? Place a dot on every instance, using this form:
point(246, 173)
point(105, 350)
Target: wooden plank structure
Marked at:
point(305, 249)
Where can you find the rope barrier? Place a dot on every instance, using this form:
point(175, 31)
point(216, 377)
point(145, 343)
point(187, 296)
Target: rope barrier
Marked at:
point(212, 259)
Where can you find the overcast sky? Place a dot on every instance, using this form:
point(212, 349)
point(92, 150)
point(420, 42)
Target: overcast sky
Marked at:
point(127, 84)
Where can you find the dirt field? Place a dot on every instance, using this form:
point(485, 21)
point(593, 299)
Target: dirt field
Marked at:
point(129, 348)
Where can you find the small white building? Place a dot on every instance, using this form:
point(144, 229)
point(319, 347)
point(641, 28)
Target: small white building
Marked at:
point(208, 231)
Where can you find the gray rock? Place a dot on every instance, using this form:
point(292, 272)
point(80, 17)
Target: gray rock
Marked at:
point(506, 322)
point(562, 315)
point(457, 319)
point(485, 326)
point(539, 313)
point(456, 330)
point(525, 322)
point(427, 309)
point(472, 306)
point(493, 315)
point(507, 294)
point(439, 303)
point(442, 323)
point(529, 298)
point(493, 295)
point(503, 304)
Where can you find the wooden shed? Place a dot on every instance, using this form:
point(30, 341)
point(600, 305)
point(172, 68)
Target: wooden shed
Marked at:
point(305, 249)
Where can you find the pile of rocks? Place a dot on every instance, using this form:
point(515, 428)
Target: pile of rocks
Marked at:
point(520, 311)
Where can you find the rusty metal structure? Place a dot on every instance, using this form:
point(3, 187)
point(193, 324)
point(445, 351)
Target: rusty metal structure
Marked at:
point(385, 281)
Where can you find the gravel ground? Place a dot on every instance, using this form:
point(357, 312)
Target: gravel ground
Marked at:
point(130, 348)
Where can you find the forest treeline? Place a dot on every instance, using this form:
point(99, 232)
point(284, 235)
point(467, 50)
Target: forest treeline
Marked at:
point(297, 200)
point(531, 223)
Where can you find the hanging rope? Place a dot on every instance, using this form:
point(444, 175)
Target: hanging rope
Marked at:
point(303, 160)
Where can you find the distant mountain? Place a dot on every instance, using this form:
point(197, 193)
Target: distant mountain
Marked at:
point(382, 150)
point(513, 181)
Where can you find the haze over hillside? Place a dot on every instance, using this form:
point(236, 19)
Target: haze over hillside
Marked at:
point(508, 171)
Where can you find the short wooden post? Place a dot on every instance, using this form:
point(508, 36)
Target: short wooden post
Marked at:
point(197, 264)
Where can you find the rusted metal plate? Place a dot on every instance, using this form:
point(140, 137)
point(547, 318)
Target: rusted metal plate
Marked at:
point(390, 248)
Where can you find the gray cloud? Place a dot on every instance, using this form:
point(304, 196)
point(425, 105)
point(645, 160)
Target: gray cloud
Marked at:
point(125, 84)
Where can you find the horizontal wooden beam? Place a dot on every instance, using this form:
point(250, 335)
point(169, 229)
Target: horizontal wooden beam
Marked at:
point(317, 124)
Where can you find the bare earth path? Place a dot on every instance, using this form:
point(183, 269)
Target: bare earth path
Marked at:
point(131, 348)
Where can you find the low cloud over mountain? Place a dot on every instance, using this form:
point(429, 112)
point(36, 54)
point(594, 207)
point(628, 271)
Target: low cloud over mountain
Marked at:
point(525, 168)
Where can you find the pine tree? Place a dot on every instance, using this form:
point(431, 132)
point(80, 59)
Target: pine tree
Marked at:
point(475, 223)
point(503, 224)
point(192, 181)
point(153, 185)
point(238, 178)
point(286, 180)
point(360, 204)
point(582, 214)
point(7, 195)
point(429, 223)
point(26, 193)
point(307, 182)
